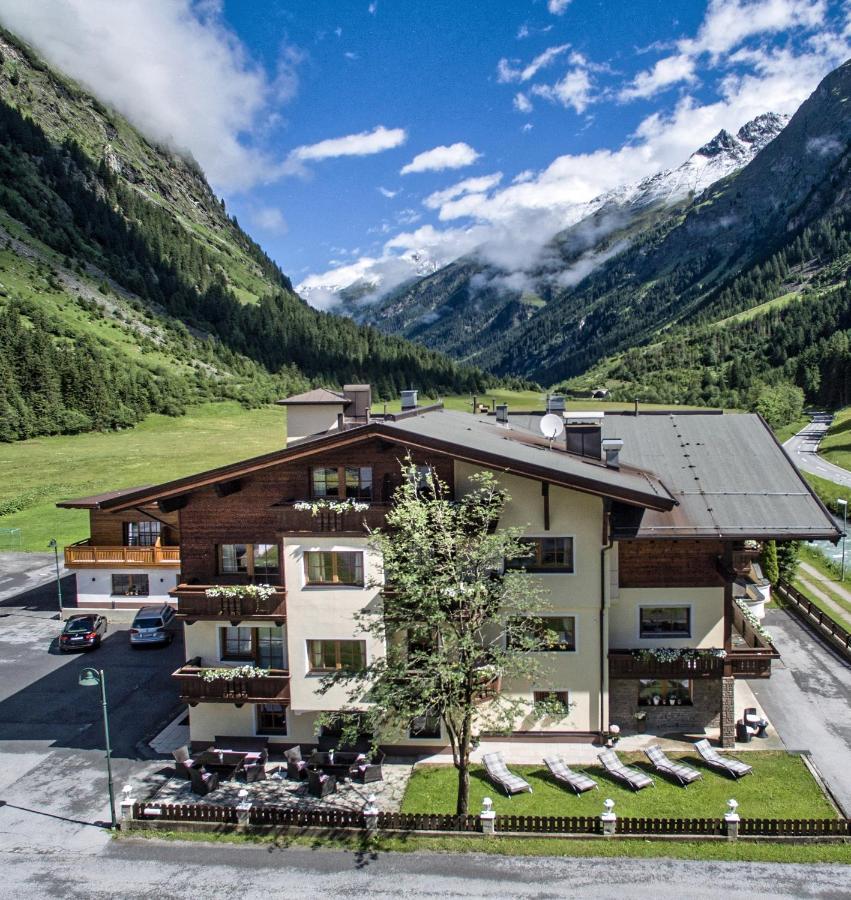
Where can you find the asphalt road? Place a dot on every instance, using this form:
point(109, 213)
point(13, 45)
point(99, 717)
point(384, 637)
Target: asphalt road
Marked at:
point(808, 700)
point(53, 784)
point(803, 448)
point(144, 869)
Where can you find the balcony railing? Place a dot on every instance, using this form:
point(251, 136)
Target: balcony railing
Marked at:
point(273, 687)
point(193, 603)
point(634, 664)
point(326, 521)
point(87, 554)
point(753, 660)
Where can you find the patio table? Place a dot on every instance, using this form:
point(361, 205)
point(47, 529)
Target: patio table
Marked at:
point(227, 764)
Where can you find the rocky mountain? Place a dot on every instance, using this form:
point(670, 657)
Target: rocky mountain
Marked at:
point(126, 288)
point(465, 306)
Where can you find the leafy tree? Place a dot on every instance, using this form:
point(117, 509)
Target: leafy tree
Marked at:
point(780, 404)
point(769, 562)
point(453, 621)
point(787, 559)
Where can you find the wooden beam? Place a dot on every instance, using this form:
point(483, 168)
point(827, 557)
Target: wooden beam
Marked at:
point(545, 492)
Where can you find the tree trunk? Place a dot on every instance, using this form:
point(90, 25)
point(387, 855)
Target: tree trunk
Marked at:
point(464, 763)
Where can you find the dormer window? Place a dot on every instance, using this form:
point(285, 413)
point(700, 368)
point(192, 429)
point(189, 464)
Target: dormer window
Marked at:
point(340, 482)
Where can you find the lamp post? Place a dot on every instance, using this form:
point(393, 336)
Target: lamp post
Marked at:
point(55, 547)
point(94, 678)
point(844, 505)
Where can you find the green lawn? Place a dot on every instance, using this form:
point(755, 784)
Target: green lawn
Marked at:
point(39, 472)
point(828, 491)
point(836, 446)
point(786, 431)
point(781, 786)
point(739, 851)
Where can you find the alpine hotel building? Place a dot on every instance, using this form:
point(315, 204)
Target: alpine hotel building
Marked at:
point(644, 529)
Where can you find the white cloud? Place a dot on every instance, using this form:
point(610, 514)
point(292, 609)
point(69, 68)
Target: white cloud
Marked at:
point(268, 218)
point(364, 143)
point(557, 7)
point(522, 103)
point(454, 156)
point(726, 25)
point(506, 73)
point(173, 68)
point(573, 90)
point(666, 72)
point(386, 192)
point(372, 9)
point(468, 186)
point(527, 126)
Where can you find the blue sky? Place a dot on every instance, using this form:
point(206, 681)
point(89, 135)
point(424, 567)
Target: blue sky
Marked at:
point(362, 140)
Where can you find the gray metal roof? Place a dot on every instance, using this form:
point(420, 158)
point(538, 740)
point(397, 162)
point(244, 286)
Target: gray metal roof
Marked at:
point(517, 447)
point(315, 397)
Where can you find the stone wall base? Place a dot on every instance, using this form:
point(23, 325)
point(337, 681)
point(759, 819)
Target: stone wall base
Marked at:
point(728, 712)
point(704, 714)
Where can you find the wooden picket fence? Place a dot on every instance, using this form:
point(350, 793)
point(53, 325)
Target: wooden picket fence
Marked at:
point(353, 820)
point(818, 619)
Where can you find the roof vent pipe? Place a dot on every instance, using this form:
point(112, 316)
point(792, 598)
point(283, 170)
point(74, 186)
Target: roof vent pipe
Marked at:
point(612, 450)
point(409, 400)
point(502, 413)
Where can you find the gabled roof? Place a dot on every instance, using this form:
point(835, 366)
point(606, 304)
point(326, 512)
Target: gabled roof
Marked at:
point(95, 500)
point(315, 397)
point(459, 435)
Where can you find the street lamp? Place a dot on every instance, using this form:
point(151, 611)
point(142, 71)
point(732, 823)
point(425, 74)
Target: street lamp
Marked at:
point(92, 678)
point(55, 547)
point(844, 505)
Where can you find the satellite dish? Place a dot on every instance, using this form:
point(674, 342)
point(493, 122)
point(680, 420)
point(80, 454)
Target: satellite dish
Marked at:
point(551, 426)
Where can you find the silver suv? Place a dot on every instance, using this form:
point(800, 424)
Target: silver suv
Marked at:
point(153, 625)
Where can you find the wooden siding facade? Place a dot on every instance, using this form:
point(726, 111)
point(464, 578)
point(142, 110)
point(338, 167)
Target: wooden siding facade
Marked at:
point(670, 564)
point(260, 507)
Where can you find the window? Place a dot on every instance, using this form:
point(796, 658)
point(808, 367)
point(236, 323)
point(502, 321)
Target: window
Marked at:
point(664, 692)
point(141, 534)
point(331, 656)
point(342, 481)
point(236, 643)
point(130, 586)
point(262, 646)
point(555, 633)
point(664, 621)
point(545, 554)
point(425, 726)
point(334, 567)
point(257, 560)
point(271, 718)
point(555, 701)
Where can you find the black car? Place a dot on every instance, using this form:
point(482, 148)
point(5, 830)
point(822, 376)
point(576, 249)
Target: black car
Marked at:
point(82, 633)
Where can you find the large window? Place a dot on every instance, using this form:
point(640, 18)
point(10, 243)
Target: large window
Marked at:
point(141, 534)
point(545, 554)
point(664, 621)
point(130, 586)
point(331, 656)
point(553, 634)
point(256, 560)
point(339, 482)
point(425, 726)
point(334, 567)
point(271, 718)
point(262, 646)
point(664, 692)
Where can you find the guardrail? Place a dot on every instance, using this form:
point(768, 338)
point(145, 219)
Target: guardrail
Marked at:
point(815, 617)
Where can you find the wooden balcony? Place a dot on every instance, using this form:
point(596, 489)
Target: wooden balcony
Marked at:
point(194, 604)
point(84, 554)
point(632, 664)
point(273, 687)
point(751, 655)
point(325, 521)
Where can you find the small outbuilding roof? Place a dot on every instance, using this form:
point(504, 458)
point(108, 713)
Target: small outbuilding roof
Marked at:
point(315, 397)
point(95, 500)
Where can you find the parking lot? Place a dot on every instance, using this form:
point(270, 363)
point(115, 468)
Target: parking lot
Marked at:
point(53, 782)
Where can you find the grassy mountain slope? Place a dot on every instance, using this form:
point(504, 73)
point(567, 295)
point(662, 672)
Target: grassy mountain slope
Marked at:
point(127, 289)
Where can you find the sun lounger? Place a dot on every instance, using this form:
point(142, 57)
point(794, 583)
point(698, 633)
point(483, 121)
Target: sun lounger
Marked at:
point(661, 763)
point(720, 763)
point(499, 774)
point(633, 777)
point(576, 781)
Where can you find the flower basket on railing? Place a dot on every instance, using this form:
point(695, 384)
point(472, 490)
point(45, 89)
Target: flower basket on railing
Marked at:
point(233, 673)
point(231, 597)
point(337, 507)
